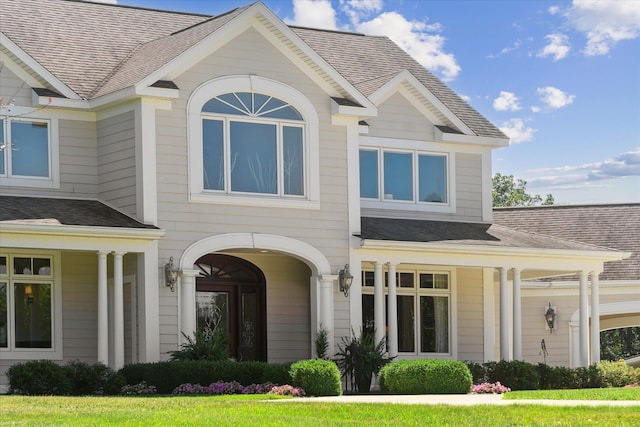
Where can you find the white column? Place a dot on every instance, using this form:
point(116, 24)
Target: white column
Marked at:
point(326, 309)
point(393, 312)
point(584, 320)
point(595, 318)
point(187, 289)
point(504, 315)
point(103, 313)
point(118, 312)
point(517, 316)
point(378, 301)
point(149, 280)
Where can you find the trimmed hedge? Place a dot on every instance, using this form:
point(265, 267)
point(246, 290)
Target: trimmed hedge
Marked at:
point(44, 377)
point(317, 377)
point(515, 374)
point(166, 376)
point(426, 376)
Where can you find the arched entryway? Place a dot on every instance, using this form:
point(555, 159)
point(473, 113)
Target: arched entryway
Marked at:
point(231, 298)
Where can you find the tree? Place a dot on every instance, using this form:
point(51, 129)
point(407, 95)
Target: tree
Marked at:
point(616, 344)
point(507, 192)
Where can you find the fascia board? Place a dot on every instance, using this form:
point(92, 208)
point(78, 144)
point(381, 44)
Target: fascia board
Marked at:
point(595, 255)
point(395, 83)
point(225, 33)
point(18, 229)
point(108, 100)
point(471, 139)
point(36, 67)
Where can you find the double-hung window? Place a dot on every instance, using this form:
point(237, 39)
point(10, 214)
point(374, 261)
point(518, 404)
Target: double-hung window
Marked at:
point(27, 155)
point(409, 176)
point(27, 305)
point(253, 144)
point(424, 310)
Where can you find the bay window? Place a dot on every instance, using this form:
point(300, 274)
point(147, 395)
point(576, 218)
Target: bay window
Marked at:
point(423, 310)
point(404, 175)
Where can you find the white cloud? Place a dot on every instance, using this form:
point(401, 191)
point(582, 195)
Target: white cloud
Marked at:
point(515, 46)
point(507, 101)
point(624, 165)
point(415, 38)
point(314, 14)
point(517, 132)
point(553, 10)
point(558, 47)
point(362, 5)
point(605, 23)
point(536, 109)
point(554, 98)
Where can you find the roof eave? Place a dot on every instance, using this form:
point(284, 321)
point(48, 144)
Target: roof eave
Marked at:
point(54, 230)
point(470, 139)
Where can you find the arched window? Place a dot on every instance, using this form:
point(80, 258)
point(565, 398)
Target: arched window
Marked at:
point(253, 141)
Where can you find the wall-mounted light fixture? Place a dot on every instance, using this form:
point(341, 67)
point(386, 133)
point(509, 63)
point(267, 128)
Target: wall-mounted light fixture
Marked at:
point(171, 273)
point(345, 279)
point(550, 318)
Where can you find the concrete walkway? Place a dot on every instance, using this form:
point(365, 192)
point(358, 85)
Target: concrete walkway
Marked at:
point(458, 399)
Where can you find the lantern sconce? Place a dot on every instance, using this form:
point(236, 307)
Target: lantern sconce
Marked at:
point(345, 279)
point(550, 318)
point(171, 273)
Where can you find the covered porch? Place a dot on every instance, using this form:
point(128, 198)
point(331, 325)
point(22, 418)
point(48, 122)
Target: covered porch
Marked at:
point(502, 258)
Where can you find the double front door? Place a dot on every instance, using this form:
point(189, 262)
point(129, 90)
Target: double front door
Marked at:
point(230, 299)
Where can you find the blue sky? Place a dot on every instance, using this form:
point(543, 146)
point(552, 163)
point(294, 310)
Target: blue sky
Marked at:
point(560, 78)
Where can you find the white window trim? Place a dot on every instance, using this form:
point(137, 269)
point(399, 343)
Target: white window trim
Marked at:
point(56, 352)
point(417, 292)
point(415, 204)
point(253, 83)
point(53, 180)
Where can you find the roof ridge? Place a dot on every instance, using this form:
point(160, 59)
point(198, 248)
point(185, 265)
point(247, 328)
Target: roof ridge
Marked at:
point(326, 30)
point(211, 18)
point(125, 6)
point(549, 207)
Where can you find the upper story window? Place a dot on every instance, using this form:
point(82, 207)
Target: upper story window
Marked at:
point(28, 156)
point(404, 175)
point(253, 141)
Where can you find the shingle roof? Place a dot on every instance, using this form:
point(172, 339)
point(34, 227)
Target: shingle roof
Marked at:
point(96, 49)
point(463, 233)
point(39, 210)
point(615, 226)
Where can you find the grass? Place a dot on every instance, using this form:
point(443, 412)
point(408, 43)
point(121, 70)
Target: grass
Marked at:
point(254, 410)
point(583, 394)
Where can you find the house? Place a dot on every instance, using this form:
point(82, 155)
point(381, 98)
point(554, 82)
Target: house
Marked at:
point(165, 171)
point(611, 225)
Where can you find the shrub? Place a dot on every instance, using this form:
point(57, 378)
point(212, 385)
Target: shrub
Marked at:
point(287, 390)
point(515, 374)
point(427, 376)
point(478, 372)
point(317, 377)
point(140, 389)
point(203, 347)
point(616, 374)
point(44, 377)
point(166, 376)
point(38, 377)
point(322, 342)
point(93, 379)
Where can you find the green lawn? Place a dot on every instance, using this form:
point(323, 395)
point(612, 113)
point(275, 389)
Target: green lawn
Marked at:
point(254, 411)
point(583, 394)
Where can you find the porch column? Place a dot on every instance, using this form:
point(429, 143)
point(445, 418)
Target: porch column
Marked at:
point(595, 318)
point(187, 289)
point(118, 312)
point(392, 320)
point(378, 302)
point(326, 309)
point(517, 316)
point(504, 315)
point(584, 320)
point(103, 310)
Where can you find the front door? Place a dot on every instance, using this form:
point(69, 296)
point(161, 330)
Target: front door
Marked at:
point(230, 297)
